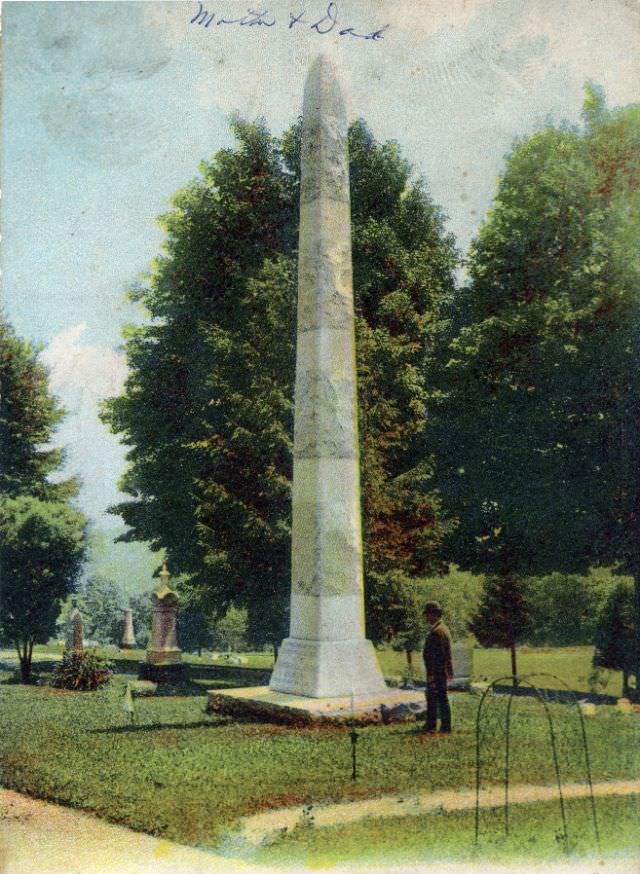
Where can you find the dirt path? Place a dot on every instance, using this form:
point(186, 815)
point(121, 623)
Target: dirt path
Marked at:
point(41, 838)
point(260, 827)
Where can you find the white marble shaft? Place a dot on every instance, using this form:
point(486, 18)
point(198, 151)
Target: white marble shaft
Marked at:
point(326, 653)
point(128, 636)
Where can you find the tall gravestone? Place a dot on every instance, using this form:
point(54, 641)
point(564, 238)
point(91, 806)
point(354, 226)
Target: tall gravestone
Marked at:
point(128, 640)
point(326, 653)
point(75, 632)
point(164, 657)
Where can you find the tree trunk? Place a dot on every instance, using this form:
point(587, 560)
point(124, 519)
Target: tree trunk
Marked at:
point(409, 654)
point(514, 672)
point(25, 656)
point(626, 691)
point(636, 660)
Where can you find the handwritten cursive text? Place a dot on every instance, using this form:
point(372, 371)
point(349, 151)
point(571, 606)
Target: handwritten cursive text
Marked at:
point(327, 23)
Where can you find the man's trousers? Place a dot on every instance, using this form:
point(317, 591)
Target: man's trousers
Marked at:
point(438, 705)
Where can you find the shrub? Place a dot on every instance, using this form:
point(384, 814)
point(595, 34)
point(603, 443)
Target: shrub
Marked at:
point(82, 672)
point(615, 634)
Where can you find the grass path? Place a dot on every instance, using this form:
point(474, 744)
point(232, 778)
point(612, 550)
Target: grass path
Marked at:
point(255, 830)
point(36, 836)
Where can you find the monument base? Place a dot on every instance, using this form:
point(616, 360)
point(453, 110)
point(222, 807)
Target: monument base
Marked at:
point(172, 673)
point(327, 668)
point(264, 705)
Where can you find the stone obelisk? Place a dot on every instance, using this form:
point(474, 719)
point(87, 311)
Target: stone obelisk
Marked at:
point(326, 654)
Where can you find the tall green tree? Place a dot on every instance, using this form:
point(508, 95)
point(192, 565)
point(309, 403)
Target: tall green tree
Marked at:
point(41, 534)
point(41, 552)
point(208, 406)
point(28, 418)
point(537, 427)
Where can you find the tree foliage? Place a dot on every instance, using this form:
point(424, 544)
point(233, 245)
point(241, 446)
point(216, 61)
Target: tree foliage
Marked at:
point(41, 534)
point(565, 607)
point(28, 417)
point(208, 405)
point(614, 636)
point(41, 551)
point(142, 608)
point(101, 603)
point(503, 617)
point(230, 631)
point(538, 426)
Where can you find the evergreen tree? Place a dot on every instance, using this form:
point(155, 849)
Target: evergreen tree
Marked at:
point(208, 406)
point(614, 638)
point(503, 616)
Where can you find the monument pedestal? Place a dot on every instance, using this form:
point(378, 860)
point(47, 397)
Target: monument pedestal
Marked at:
point(327, 668)
point(263, 704)
point(163, 672)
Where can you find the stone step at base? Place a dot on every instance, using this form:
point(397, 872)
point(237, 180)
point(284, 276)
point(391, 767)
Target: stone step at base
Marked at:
point(265, 705)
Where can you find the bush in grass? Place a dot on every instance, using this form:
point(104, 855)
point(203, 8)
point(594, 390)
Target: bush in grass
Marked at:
point(615, 634)
point(81, 671)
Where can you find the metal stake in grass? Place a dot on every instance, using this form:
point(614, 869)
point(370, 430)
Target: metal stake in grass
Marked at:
point(354, 739)
point(354, 762)
point(128, 704)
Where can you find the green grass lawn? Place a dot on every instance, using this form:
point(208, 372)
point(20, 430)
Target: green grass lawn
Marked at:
point(570, 664)
point(189, 776)
point(535, 832)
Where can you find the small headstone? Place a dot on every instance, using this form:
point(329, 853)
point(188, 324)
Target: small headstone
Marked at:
point(462, 656)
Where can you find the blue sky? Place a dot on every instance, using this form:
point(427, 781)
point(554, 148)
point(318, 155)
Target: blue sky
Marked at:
point(108, 107)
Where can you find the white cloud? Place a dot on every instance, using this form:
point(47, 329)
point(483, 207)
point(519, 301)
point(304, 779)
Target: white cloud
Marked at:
point(96, 369)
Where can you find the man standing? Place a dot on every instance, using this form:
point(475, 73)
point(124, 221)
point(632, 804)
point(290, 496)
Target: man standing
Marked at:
point(439, 668)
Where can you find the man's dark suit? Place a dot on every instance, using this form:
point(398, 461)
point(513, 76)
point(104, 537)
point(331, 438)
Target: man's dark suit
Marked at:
point(439, 669)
